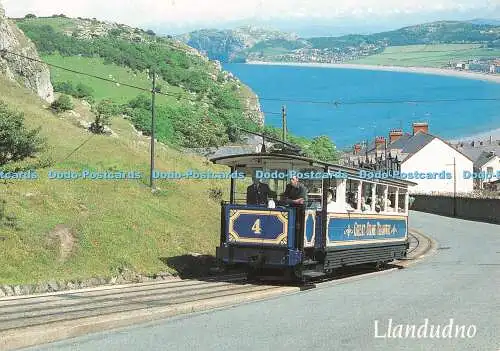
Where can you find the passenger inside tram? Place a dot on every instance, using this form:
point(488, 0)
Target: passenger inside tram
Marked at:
point(331, 205)
point(343, 195)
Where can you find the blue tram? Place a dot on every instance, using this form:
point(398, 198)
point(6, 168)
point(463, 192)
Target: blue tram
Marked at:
point(346, 220)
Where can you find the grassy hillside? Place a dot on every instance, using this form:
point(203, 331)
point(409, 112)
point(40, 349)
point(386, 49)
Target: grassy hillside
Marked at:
point(201, 92)
point(112, 223)
point(428, 55)
point(102, 90)
point(204, 107)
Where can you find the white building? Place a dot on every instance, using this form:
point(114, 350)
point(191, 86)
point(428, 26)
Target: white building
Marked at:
point(488, 168)
point(439, 166)
point(486, 157)
point(451, 169)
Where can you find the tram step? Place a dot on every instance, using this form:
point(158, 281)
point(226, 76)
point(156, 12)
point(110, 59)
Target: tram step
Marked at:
point(313, 274)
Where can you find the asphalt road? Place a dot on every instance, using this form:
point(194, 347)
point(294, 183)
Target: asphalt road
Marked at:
point(459, 282)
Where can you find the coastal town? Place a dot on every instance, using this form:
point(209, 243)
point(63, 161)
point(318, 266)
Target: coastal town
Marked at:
point(487, 65)
point(326, 55)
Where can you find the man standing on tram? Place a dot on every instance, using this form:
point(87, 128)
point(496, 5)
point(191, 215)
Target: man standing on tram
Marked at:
point(258, 193)
point(295, 193)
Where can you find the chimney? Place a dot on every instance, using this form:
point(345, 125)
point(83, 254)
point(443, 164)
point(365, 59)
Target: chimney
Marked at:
point(394, 135)
point(420, 127)
point(379, 143)
point(356, 149)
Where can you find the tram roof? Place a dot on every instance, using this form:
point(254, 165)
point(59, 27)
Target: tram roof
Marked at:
point(280, 160)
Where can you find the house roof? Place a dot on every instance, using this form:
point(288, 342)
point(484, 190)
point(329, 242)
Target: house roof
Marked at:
point(484, 158)
point(416, 142)
point(225, 150)
point(475, 152)
point(408, 145)
point(399, 143)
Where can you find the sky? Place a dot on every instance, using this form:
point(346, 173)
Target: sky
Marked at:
point(305, 17)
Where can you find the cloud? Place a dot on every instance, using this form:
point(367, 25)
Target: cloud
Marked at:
point(207, 12)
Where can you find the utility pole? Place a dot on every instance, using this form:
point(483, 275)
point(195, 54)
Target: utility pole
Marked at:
point(283, 115)
point(454, 187)
point(153, 94)
point(454, 164)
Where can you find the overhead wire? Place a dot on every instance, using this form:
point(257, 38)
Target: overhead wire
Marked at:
point(336, 103)
point(178, 95)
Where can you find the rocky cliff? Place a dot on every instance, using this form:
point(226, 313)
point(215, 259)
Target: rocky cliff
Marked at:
point(33, 75)
point(228, 45)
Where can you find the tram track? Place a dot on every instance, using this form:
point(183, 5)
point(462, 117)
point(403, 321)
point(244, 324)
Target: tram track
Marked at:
point(37, 319)
point(413, 239)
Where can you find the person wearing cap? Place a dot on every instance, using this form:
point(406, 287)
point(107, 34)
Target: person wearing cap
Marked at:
point(258, 193)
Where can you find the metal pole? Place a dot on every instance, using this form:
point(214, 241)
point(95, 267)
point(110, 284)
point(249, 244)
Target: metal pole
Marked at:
point(153, 94)
point(283, 114)
point(385, 155)
point(231, 191)
point(454, 187)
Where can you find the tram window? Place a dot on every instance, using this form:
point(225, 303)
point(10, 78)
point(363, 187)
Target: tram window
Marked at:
point(240, 190)
point(381, 201)
point(402, 203)
point(241, 186)
point(366, 196)
point(338, 203)
point(278, 186)
point(391, 199)
point(314, 192)
point(351, 194)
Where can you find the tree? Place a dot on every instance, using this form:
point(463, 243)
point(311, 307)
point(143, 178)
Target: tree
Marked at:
point(323, 149)
point(30, 15)
point(63, 103)
point(16, 142)
point(103, 112)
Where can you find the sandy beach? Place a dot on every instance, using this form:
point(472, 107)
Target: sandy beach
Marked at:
point(495, 78)
point(421, 70)
point(485, 137)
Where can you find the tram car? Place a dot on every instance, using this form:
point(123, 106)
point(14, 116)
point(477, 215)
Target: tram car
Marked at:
point(345, 220)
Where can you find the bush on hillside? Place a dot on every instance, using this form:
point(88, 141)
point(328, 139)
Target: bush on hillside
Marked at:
point(16, 141)
point(81, 91)
point(62, 103)
point(103, 111)
point(64, 87)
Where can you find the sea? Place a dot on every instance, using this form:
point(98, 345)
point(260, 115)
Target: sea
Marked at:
point(351, 105)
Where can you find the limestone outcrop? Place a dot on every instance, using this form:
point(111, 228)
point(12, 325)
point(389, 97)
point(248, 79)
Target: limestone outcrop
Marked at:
point(31, 74)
